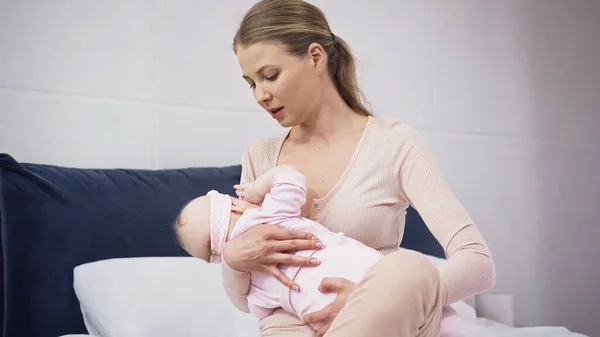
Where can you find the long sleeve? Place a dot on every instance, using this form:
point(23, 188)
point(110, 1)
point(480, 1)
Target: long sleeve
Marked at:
point(282, 202)
point(469, 268)
point(236, 283)
point(287, 194)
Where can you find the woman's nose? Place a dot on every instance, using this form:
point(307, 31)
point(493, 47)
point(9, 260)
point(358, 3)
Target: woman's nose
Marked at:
point(261, 96)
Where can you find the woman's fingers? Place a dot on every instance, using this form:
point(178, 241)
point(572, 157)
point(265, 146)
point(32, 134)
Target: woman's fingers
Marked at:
point(334, 284)
point(294, 244)
point(282, 239)
point(288, 259)
point(280, 233)
point(273, 270)
point(319, 315)
point(324, 329)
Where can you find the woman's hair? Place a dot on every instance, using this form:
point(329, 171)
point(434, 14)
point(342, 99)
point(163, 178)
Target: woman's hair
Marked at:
point(296, 24)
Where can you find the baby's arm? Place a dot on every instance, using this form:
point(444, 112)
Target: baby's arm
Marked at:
point(287, 194)
point(255, 191)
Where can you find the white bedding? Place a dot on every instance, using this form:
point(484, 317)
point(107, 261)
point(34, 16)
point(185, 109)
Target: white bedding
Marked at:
point(486, 328)
point(180, 296)
point(482, 328)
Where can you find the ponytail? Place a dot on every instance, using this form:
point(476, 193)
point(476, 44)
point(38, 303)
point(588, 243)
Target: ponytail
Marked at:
point(343, 73)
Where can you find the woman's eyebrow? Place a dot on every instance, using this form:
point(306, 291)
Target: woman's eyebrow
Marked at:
point(257, 71)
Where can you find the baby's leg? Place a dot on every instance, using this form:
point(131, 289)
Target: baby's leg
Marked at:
point(451, 324)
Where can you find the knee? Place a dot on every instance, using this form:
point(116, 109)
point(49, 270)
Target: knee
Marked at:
point(409, 277)
point(406, 265)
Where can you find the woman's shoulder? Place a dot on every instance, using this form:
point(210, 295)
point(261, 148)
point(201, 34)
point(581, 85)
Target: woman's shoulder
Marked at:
point(404, 142)
point(396, 131)
point(267, 146)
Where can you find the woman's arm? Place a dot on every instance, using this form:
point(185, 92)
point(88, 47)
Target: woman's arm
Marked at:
point(469, 268)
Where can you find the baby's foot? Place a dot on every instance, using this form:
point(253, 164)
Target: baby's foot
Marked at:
point(248, 193)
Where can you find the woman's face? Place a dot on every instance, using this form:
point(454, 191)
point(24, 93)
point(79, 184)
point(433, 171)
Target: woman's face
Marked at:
point(287, 86)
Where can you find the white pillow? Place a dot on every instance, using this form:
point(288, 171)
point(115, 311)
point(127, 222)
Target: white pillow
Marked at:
point(157, 297)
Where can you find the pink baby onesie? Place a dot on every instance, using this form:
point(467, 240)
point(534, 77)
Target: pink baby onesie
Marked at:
point(340, 257)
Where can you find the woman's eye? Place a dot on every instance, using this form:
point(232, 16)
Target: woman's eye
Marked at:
point(251, 85)
point(272, 77)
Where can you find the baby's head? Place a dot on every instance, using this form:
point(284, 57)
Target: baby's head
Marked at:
point(204, 223)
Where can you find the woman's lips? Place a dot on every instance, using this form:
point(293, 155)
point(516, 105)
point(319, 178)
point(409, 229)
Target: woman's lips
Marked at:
point(276, 113)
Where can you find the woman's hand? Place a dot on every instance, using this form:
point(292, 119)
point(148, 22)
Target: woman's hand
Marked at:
point(261, 249)
point(343, 288)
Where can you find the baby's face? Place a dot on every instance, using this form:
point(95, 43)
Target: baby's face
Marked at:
point(193, 228)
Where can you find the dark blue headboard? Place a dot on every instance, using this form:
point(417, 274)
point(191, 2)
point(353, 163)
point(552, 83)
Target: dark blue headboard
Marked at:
point(55, 218)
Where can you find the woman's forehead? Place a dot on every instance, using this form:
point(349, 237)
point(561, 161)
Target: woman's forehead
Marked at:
point(255, 57)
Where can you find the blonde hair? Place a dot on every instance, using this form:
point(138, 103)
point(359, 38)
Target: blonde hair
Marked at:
point(296, 24)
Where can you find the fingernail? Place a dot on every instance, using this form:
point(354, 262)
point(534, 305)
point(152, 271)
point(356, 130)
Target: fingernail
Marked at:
point(315, 238)
point(295, 287)
point(314, 261)
point(319, 244)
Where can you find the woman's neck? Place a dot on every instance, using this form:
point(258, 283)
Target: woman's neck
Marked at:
point(333, 118)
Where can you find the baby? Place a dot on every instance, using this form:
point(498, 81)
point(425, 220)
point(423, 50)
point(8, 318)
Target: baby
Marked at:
point(206, 223)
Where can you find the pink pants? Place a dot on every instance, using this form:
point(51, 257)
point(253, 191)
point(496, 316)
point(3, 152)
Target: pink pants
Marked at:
point(399, 297)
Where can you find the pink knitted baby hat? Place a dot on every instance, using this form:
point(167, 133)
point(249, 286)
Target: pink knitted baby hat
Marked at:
point(220, 214)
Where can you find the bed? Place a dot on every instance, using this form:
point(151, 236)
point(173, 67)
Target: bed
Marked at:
point(90, 252)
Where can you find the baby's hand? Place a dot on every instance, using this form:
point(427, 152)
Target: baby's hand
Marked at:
point(248, 193)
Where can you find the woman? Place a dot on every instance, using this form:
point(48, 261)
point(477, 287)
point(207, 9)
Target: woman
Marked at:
point(362, 172)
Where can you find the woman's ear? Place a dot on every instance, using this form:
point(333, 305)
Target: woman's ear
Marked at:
point(318, 57)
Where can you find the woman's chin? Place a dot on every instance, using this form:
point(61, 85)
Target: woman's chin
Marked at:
point(285, 122)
